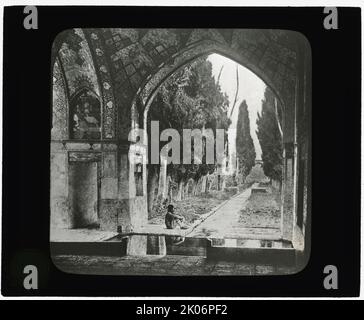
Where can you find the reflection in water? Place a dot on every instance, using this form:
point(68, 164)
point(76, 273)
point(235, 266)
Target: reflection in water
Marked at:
point(162, 245)
point(152, 244)
point(249, 243)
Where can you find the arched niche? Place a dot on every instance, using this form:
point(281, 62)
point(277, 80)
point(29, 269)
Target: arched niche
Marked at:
point(85, 115)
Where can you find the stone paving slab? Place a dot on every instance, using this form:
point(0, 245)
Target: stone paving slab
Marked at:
point(157, 265)
point(161, 230)
point(80, 235)
point(224, 220)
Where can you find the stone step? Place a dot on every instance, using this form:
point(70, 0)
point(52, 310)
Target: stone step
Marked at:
point(240, 250)
point(189, 247)
point(133, 245)
point(95, 248)
point(278, 253)
point(259, 190)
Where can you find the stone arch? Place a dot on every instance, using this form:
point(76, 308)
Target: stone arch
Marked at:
point(60, 99)
point(77, 62)
point(143, 98)
point(283, 86)
point(205, 47)
point(147, 92)
point(138, 55)
point(102, 69)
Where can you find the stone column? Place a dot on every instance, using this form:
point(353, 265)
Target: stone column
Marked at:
point(137, 202)
point(60, 209)
point(156, 245)
point(119, 205)
point(287, 192)
point(108, 209)
point(204, 183)
point(162, 188)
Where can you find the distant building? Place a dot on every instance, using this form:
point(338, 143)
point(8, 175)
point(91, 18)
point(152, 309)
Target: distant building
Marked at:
point(258, 161)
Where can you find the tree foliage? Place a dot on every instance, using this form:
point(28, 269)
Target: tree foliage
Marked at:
point(190, 99)
point(245, 150)
point(270, 137)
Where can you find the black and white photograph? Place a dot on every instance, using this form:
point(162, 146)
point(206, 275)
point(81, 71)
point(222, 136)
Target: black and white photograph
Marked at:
point(157, 152)
point(180, 151)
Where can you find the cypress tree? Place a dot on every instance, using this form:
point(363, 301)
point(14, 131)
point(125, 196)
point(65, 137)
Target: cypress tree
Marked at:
point(270, 138)
point(245, 150)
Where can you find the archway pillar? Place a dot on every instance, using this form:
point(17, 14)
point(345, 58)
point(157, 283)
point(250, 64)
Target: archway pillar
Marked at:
point(59, 191)
point(121, 204)
point(287, 195)
point(133, 188)
point(163, 186)
point(108, 203)
point(287, 208)
point(302, 223)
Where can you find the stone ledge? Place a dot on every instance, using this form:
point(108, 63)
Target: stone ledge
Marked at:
point(80, 235)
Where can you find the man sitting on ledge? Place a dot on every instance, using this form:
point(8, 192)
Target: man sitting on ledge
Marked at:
point(173, 220)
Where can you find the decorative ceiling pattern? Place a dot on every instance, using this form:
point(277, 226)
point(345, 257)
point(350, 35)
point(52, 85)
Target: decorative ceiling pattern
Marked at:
point(77, 63)
point(120, 63)
point(60, 105)
point(81, 55)
point(136, 54)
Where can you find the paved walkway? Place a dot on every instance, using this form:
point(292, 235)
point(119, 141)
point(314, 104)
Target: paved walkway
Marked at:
point(224, 223)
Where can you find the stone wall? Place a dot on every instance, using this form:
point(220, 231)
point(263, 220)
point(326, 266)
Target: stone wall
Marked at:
point(59, 190)
point(287, 209)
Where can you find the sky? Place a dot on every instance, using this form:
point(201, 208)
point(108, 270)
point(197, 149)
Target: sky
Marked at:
point(251, 89)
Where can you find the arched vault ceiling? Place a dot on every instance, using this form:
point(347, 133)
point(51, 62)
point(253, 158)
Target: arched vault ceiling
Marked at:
point(134, 62)
point(136, 54)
